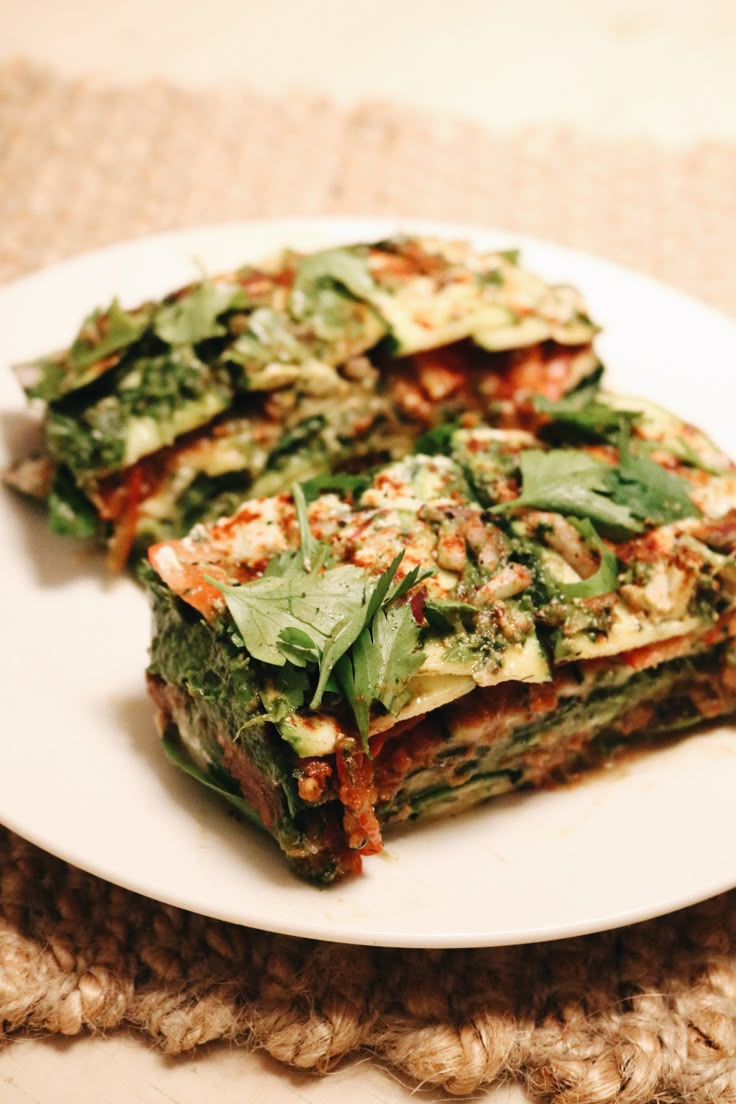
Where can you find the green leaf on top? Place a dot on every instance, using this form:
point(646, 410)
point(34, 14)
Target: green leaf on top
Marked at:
point(340, 483)
point(298, 647)
point(654, 494)
point(348, 627)
point(620, 499)
point(194, 316)
point(316, 604)
point(103, 333)
point(309, 545)
point(602, 581)
point(380, 665)
point(582, 415)
point(106, 332)
point(571, 482)
point(339, 622)
point(341, 266)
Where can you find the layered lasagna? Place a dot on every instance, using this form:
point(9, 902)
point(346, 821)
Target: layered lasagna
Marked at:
point(404, 551)
point(500, 609)
point(170, 414)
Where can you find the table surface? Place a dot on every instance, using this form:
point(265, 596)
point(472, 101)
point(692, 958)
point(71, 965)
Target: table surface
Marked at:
point(614, 68)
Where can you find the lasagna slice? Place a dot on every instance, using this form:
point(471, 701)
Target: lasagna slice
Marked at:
point(171, 413)
point(499, 613)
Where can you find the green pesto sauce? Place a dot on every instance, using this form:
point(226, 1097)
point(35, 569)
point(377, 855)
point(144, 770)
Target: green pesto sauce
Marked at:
point(155, 399)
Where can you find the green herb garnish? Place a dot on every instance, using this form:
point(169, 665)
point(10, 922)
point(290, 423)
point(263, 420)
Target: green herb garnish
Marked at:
point(340, 483)
point(437, 439)
point(315, 604)
point(332, 266)
point(602, 581)
point(621, 499)
point(380, 664)
point(582, 415)
point(194, 317)
point(656, 495)
point(103, 334)
point(106, 332)
point(313, 615)
point(573, 483)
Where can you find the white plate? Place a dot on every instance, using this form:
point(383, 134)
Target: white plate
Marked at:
point(82, 775)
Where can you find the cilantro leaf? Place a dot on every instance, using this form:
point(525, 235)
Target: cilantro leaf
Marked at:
point(351, 678)
point(332, 618)
point(437, 439)
point(310, 546)
point(284, 694)
point(621, 499)
point(106, 332)
point(582, 415)
point(298, 647)
point(339, 266)
point(193, 317)
point(313, 603)
point(394, 657)
point(284, 564)
point(654, 494)
point(380, 665)
point(571, 482)
point(341, 483)
point(343, 636)
point(102, 334)
point(416, 575)
point(347, 630)
point(602, 581)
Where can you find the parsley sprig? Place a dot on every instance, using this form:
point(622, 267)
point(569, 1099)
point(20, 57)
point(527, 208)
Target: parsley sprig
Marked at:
point(379, 665)
point(340, 624)
point(620, 499)
point(583, 415)
point(195, 316)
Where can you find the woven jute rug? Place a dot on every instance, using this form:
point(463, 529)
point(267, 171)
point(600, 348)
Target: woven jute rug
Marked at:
point(640, 1014)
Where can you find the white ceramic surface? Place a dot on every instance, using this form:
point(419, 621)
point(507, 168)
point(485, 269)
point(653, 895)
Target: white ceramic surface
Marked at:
point(81, 773)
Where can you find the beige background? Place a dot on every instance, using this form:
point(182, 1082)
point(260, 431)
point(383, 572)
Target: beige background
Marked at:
point(661, 69)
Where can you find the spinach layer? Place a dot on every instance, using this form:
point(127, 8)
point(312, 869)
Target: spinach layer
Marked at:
point(585, 730)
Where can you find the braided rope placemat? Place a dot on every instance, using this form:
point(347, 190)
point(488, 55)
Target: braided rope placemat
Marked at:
point(632, 1015)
